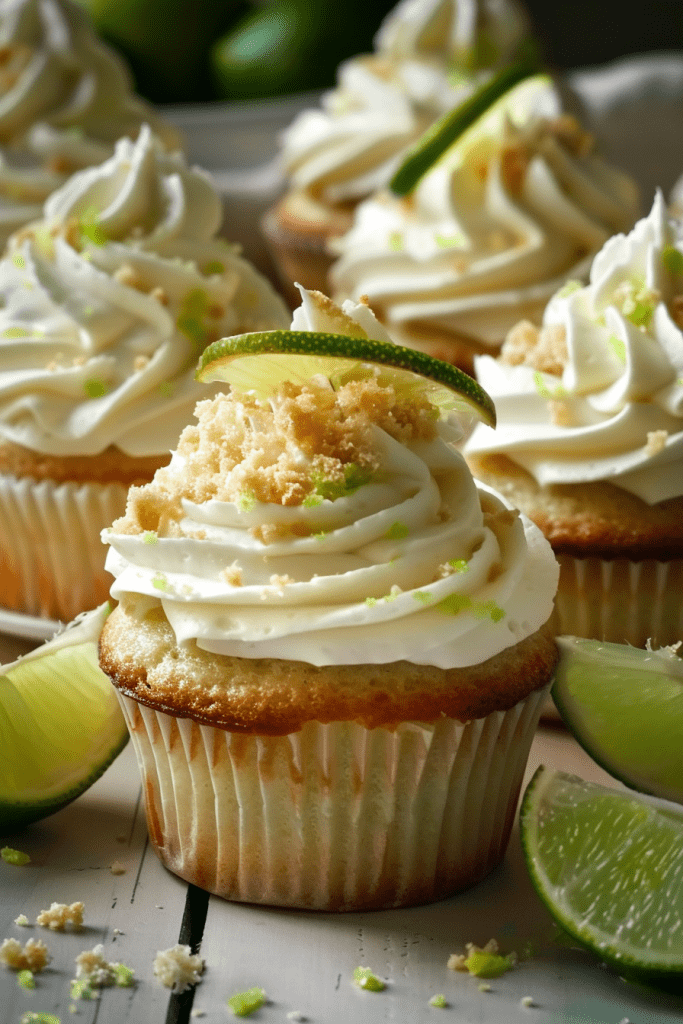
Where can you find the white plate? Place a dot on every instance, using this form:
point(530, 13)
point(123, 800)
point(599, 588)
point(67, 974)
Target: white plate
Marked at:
point(28, 627)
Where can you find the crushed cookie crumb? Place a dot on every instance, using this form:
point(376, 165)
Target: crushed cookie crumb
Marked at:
point(232, 574)
point(514, 160)
point(567, 130)
point(656, 442)
point(544, 349)
point(140, 362)
point(521, 340)
point(561, 414)
point(160, 295)
point(34, 956)
point(60, 916)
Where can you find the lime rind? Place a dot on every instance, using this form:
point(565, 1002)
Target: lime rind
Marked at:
point(300, 356)
point(618, 895)
point(624, 705)
point(60, 724)
point(440, 136)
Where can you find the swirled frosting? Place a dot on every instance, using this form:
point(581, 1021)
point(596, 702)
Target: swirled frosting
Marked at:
point(331, 527)
point(491, 231)
point(428, 57)
point(108, 301)
point(65, 98)
point(597, 394)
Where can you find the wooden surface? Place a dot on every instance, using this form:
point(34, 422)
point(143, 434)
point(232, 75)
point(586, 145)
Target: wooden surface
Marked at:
point(304, 961)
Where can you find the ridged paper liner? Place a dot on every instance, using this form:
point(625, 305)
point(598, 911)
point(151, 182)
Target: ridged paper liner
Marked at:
point(334, 817)
point(51, 554)
point(621, 601)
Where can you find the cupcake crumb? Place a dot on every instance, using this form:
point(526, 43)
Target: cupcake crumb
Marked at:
point(22, 921)
point(656, 442)
point(527, 1001)
point(178, 968)
point(60, 916)
point(117, 868)
point(34, 956)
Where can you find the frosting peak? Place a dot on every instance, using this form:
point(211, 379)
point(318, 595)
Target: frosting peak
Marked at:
point(611, 407)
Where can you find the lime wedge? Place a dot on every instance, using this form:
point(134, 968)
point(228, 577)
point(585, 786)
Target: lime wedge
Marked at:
point(625, 707)
point(60, 724)
point(609, 867)
point(260, 362)
point(499, 90)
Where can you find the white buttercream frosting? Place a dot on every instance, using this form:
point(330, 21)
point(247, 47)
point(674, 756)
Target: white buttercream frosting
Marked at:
point(65, 98)
point(613, 409)
point(429, 56)
point(109, 300)
point(407, 561)
point(491, 231)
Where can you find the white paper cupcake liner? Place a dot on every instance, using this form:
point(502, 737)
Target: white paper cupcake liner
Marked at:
point(334, 817)
point(621, 601)
point(51, 555)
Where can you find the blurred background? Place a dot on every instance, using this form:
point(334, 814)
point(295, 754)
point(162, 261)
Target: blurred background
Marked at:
point(198, 50)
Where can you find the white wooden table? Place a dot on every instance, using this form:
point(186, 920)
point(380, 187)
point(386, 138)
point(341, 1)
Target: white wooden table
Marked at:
point(304, 961)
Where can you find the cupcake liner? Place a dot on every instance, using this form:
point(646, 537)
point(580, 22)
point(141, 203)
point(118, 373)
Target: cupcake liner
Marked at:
point(51, 555)
point(336, 816)
point(621, 601)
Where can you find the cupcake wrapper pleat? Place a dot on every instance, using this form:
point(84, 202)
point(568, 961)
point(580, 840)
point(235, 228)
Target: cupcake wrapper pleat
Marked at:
point(621, 601)
point(337, 816)
point(51, 554)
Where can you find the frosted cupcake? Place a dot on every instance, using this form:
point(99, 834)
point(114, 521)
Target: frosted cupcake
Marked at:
point(516, 206)
point(331, 647)
point(106, 304)
point(590, 436)
point(429, 56)
point(65, 99)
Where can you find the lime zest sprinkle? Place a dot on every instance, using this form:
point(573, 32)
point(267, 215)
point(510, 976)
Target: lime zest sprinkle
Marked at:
point(81, 988)
point(167, 388)
point(243, 1003)
point(618, 347)
point(26, 978)
point(453, 604)
point(90, 227)
point(423, 596)
point(672, 258)
point(213, 267)
point(312, 500)
point(18, 260)
point(439, 1000)
point(354, 477)
point(160, 582)
point(397, 531)
point(371, 601)
point(457, 241)
point(190, 318)
point(150, 537)
point(396, 243)
point(16, 332)
point(543, 389)
point(95, 388)
point(482, 964)
point(246, 501)
point(39, 1018)
point(320, 536)
point(364, 978)
point(124, 976)
point(458, 564)
point(11, 856)
point(568, 288)
point(636, 301)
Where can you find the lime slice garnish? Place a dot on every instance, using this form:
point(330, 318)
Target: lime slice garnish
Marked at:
point(609, 867)
point(260, 362)
point(60, 724)
point(444, 132)
point(625, 707)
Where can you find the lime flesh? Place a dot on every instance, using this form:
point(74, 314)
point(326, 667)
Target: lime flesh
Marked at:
point(60, 724)
point(608, 865)
point(449, 128)
point(625, 707)
point(262, 361)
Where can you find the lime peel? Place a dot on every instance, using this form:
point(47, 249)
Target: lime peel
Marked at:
point(243, 1003)
point(17, 857)
point(364, 978)
point(300, 356)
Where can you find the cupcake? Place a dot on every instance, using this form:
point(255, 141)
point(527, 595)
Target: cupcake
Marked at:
point(330, 646)
point(106, 304)
point(516, 206)
point(590, 437)
point(429, 56)
point(65, 99)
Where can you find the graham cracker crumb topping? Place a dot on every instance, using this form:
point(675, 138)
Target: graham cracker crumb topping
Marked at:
point(543, 349)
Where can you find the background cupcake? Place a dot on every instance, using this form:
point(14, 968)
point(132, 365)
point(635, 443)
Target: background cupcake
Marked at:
point(590, 436)
point(429, 56)
point(65, 99)
point(518, 204)
point(331, 648)
point(106, 304)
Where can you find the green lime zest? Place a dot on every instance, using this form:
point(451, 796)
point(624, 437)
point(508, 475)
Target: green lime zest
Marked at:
point(26, 979)
point(160, 582)
point(95, 388)
point(16, 332)
point(488, 965)
point(11, 856)
point(354, 477)
point(568, 288)
point(18, 260)
point(260, 362)
point(150, 537)
point(213, 267)
point(81, 988)
point(618, 347)
point(190, 320)
point(39, 1018)
point(90, 228)
point(397, 531)
point(243, 1003)
point(458, 564)
point(246, 501)
point(672, 258)
point(444, 132)
point(423, 596)
point(364, 978)
point(439, 1001)
point(396, 242)
point(124, 976)
point(456, 603)
point(543, 389)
